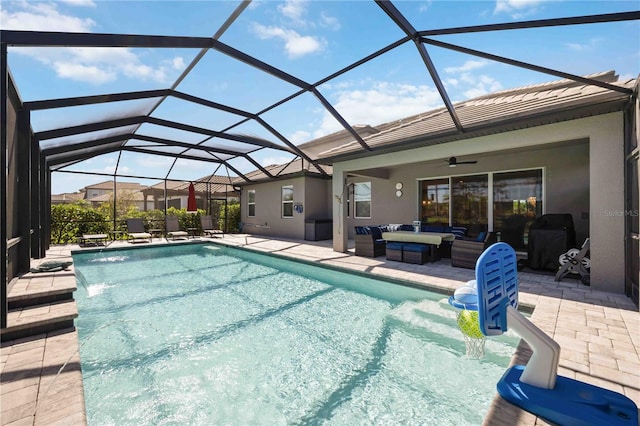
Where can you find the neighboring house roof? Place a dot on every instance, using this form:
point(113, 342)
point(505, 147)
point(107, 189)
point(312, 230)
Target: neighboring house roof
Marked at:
point(108, 186)
point(493, 113)
point(213, 184)
point(122, 193)
point(67, 197)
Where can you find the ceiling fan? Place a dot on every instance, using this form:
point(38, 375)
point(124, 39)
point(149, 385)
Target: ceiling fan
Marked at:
point(454, 162)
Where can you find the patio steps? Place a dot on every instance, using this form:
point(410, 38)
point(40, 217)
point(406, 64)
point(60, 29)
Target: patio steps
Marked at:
point(39, 304)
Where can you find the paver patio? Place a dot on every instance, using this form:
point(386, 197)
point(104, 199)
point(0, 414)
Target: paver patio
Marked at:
point(599, 334)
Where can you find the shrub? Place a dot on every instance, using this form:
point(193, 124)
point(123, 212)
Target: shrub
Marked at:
point(70, 221)
point(233, 220)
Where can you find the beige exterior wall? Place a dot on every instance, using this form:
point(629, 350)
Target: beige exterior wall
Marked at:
point(565, 170)
point(312, 193)
point(571, 164)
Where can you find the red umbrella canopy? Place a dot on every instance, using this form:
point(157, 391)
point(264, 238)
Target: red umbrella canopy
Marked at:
point(191, 201)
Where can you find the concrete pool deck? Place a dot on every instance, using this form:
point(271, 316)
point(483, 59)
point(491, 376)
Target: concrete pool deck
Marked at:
point(599, 333)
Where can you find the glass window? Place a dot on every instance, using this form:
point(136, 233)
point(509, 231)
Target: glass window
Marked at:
point(287, 201)
point(251, 203)
point(434, 201)
point(517, 201)
point(470, 200)
point(362, 199)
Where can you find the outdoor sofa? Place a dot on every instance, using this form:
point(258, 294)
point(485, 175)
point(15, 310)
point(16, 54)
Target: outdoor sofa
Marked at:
point(369, 241)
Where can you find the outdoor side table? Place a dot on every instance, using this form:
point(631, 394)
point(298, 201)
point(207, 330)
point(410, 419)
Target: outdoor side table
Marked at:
point(156, 232)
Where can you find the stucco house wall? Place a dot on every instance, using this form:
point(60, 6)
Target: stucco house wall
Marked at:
point(564, 176)
point(311, 193)
point(565, 179)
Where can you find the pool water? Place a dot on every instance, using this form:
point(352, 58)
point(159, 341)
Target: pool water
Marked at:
point(201, 334)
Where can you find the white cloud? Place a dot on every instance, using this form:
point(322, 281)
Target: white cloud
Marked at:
point(517, 8)
point(268, 161)
point(468, 82)
point(296, 45)
point(330, 22)
point(294, 13)
point(467, 66)
point(590, 45)
point(424, 6)
point(294, 10)
point(178, 63)
point(42, 16)
point(79, 72)
point(299, 137)
point(82, 3)
point(481, 85)
point(89, 65)
point(380, 103)
point(154, 161)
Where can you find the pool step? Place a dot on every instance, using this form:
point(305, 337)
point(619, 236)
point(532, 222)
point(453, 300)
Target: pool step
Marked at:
point(39, 319)
point(40, 303)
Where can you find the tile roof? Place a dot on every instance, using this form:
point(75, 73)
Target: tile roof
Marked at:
point(496, 112)
point(295, 167)
point(108, 185)
point(67, 196)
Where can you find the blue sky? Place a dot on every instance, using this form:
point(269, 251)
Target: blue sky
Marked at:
point(308, 39)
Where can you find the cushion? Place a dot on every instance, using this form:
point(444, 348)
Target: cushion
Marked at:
point(394, 245)
point(362, 230)
point(481, 236)
point(415, 247)
point(406, 227)
point(459, 231)
point(376, 232)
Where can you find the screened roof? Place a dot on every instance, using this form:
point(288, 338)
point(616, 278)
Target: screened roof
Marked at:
point(247, 90)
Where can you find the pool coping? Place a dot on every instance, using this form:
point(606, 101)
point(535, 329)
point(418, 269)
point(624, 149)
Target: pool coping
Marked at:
point(598, 334)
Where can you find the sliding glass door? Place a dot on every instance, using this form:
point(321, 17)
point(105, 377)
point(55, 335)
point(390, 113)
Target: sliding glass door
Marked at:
point(434, 203)
point(515, 199)
point(469, 200)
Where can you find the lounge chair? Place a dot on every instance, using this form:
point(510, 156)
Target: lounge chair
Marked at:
point(207, 226)
point(172, 228)
point(136, 231)
point(93, 239)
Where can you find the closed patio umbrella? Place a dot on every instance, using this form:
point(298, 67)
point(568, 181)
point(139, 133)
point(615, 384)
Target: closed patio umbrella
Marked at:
point(191, 200)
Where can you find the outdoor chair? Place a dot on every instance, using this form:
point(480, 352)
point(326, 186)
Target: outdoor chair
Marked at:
point(465, 252)
point(136, 231)
point(369, 241)
point(172, 228)
point(93, 239)
point(207, 226)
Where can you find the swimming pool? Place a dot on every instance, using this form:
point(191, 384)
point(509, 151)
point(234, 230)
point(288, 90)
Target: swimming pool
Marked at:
point(204, 334)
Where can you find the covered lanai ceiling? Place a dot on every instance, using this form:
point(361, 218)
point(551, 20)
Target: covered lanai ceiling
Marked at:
point(220, 102)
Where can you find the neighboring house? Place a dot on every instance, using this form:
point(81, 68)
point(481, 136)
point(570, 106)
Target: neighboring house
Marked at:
point(558, 147)
point(66, 198)
point(208, 189)
point(95, 194)
point(124, 196)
